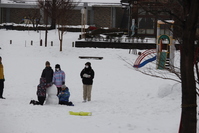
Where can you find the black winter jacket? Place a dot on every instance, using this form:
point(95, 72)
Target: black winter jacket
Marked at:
point(47, 74)
point(87, 75)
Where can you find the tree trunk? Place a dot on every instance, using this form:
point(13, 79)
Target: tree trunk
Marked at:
point(53, 17)
point(60, 33)
point(46, 30)
point(53, 23)
point(60, 45)
point(188, 87)
point(46, 37)
point(189, 105)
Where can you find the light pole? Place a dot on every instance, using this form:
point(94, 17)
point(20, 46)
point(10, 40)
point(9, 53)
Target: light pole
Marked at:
point(83, 12)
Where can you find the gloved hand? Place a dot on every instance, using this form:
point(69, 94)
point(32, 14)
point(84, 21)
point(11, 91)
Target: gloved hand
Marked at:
point(63, 83)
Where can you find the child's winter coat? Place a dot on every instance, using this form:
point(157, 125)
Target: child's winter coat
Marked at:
point(59, 78)
point(64, 95)
point(41, 88)
point(87, 75)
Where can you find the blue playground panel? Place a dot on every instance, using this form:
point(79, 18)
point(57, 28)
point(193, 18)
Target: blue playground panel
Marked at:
point(145, 62)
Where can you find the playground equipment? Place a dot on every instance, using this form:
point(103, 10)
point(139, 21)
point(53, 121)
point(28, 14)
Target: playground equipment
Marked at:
point(164, 50)
point(138, 63)
point(165, 47)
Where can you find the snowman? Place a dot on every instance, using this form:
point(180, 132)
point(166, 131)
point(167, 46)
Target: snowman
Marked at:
point(52, 95)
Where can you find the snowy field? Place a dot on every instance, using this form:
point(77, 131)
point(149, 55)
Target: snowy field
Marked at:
point(123, 99)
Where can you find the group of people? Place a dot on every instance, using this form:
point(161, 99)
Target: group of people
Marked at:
point(49, 77)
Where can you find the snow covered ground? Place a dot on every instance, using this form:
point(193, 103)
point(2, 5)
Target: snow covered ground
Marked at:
point(123, 99)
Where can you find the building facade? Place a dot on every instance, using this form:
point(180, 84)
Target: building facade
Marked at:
point(131, 17)
point(102, 15)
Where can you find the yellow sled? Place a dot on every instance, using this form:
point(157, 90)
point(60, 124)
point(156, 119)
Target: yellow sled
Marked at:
point(80, 113)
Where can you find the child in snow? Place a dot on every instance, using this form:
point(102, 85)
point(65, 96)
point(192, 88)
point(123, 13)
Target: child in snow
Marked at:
point(58, 78)
point(41, 92)
point(64, 95)
point(87, 75)
point(47, 72)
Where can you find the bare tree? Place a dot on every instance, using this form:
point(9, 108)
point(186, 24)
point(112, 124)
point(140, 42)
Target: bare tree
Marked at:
point(64, 15)
point(52, 8)
point(35, 18)
point(44, 5)
point(49, 8)
point(60, 12)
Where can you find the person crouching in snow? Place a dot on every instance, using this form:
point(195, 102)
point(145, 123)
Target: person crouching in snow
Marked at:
point(64, 95)
point(41, 92)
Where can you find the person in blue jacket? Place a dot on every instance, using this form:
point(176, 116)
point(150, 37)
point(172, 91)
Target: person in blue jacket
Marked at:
point(64, 96)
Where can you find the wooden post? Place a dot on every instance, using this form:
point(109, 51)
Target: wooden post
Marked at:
point(31, 42)
point(10, 41)
point(72, 44)
point(41, 42)
point(51, 43)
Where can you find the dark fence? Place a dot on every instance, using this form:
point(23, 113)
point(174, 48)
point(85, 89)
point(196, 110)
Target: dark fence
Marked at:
point(83, 44)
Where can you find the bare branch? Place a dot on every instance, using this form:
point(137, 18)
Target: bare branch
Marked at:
point(157, 76)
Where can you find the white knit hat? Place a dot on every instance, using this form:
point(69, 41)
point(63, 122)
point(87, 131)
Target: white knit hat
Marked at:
point(63, 86)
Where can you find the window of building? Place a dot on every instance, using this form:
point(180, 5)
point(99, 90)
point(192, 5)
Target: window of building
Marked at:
point(146, 25)
point(164, 29)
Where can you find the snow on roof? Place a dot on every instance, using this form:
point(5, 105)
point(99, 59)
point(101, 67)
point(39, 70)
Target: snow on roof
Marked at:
point(89, 1)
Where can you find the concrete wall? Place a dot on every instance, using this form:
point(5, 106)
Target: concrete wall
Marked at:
point(100, 16)
point(16, 15)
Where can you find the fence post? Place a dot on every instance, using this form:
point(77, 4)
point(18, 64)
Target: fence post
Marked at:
point(51, 43)
point(10, 41)
point(31, 42)
point(41, 42)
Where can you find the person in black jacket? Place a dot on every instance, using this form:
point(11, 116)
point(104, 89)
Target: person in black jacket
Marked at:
point(47, 73)
point(87, 75)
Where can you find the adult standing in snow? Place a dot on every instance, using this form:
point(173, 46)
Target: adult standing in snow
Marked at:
point(58, 78)
point(2, 79)
point(41, 92)
point(87, 75)
point(47, 73)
